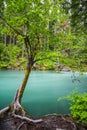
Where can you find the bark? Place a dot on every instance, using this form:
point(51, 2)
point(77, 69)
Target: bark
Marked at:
point(23, 85)
point(16, 107)
point(4, 39)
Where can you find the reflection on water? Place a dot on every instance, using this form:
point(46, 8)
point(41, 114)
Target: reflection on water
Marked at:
point(42, 91)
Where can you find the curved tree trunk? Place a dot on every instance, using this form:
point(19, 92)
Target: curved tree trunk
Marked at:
point(24, 82)
point(16, 105)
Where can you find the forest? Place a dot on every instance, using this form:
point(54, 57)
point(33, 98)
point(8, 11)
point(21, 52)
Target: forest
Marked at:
point(43, 35)
point(57, 36)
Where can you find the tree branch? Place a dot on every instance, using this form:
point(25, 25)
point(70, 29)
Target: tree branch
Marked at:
point(17, 32)
point(27, 48)
point(28, 41)
point(48, 58)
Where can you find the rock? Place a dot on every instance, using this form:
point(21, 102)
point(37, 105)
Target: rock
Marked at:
point(66, 69)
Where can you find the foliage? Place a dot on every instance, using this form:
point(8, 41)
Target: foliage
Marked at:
point(78, 106)
point(9, 56)
point(78, 13)
point(32, 22)
point(48, 60)
point(47, 29)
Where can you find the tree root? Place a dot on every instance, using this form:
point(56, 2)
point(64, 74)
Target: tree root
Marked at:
point(17, 111)
point(24, 118)
point(3, 111)
point(20, 126)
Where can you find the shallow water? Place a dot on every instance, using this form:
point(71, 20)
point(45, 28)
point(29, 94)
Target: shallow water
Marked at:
point(42, 90)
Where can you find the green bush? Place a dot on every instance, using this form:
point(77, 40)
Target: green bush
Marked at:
point(78, 106)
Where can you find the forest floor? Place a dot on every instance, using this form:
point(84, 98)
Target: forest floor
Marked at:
point(49, 122)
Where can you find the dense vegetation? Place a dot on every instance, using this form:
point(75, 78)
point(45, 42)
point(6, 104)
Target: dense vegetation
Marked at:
point(74, 57)
point(78, 106)
point(78, 20)
point(66, 42)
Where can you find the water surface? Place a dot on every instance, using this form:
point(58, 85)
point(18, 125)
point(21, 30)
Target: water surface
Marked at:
point(42, 90)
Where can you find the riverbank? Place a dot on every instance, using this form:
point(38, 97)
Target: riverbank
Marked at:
point(44, 66)
point(49, 122)
point(41, 67)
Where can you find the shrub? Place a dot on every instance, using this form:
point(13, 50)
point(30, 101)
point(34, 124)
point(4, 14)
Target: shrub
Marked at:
point(78, 106)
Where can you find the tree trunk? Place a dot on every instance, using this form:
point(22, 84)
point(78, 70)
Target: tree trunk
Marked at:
point(23, 85)
point(23, 50)
point(16, 105)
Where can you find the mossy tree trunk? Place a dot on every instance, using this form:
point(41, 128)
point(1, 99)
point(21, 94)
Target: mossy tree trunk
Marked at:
point(30, 61)
point(24, 82)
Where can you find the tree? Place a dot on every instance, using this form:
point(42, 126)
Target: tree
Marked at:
point(78, 24)
point(29, 21)
point(78, 13)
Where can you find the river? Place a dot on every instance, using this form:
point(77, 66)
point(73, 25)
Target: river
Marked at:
point(42, 90)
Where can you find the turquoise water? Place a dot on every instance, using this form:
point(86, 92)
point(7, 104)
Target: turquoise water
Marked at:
point(42, 91)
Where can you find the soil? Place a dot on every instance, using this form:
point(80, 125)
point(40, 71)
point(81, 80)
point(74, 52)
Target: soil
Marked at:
point(50, 122)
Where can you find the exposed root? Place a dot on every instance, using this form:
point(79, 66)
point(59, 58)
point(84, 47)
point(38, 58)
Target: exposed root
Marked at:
point(4, 110)
point(27, 119)
point(20, 126)
point(69, 121)
point(18, 111)
point(17, 108)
